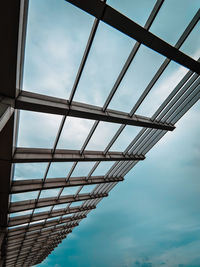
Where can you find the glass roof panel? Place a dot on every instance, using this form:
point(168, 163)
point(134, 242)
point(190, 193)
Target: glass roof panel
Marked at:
point(138, 11)
point(173, 18)
point(59, 169)
point(77, 203)
point(60, 206)
point(108, 54)
point(88, 188)
point(49, 193)
point(24, 196)
point(141, 71)
point(191, 44)
point(74, 133)
point(125, 138)
point(42, 209)
point(24, 171)
point(21, 213)
point(57, 34)
point(69, 190)
point(37, 129)
point(102, 136)
point(163, 87)
point(82, 169)
point(103, 168)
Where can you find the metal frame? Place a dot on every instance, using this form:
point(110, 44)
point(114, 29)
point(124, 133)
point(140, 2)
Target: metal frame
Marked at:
point(28, 239)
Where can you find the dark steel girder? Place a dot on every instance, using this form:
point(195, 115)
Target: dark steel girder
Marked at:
point(60, 230)
point(15, 246)
point(17, 220)
point(38, 226)
point(42, 103)
point(38, 184)
point(24, 155)
point(50, 229)
point(112, 17)
point(45, 202)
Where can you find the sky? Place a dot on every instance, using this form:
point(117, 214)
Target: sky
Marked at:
point(152, 218)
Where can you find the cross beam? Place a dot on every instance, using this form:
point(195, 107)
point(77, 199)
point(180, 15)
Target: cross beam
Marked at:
point(45, 202)
point(47, 104)
point(38, 184)
point(24, 155)
point(17, 220)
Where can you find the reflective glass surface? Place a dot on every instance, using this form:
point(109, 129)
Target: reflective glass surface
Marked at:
point(163, 87)
point(57, 34)
point(24, 171)
point(173, 18)
point(37, 129)
point(109, 51)
point(138, 11)
point(102, 136)
point(141, 71)
point(74, 133)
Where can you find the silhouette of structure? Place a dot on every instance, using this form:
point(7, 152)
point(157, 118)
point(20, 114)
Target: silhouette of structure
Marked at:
point(27, 240)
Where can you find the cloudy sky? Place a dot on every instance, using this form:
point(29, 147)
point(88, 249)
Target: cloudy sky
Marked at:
point(152, 218)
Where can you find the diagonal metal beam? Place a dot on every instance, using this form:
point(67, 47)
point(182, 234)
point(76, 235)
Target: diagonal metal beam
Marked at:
point(112, 17)
point(17, 220)
point(38, 184)
point(24, 155)
point(42, 103)
point(45, 202)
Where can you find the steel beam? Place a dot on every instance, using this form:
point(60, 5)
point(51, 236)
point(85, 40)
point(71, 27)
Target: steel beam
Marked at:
point(112, 17)
point(45, 202)
point(44, 233)
point(38, 226)
point(24, 155)
point(38, 184)
point(42, 103)
point(17, 220)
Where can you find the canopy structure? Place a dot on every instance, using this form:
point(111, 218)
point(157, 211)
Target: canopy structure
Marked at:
point(28, 231)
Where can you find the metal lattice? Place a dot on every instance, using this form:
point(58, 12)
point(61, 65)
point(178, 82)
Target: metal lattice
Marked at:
point(28, 239)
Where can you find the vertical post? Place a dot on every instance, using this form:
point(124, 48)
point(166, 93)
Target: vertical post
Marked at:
point(9, 29)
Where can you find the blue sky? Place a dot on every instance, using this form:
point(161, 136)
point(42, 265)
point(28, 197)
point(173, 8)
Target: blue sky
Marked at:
point(152, 218)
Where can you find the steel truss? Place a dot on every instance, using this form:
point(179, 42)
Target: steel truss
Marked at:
point(26, 240)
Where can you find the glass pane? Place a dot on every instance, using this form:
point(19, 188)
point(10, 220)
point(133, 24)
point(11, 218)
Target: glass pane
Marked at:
point(74, 133)
point(49, 193)
point(191, 44)
point(69, 190)
point(88, 188)
point(141, 71)
point(173, 18)
point(102, 136)
point(24, 171)
point(136, 10)
point(77, 203)
point(40, 221)
point(54, 218)
point(60, 206)
point(24, 196)
point(125, 138)
point(21, 213)
point(59, 169)
point(108, 54)
point(57, 34)
point(42, 209)
point(37, 129)
point(103, 168)
point(82, 169)
point(163, 87)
